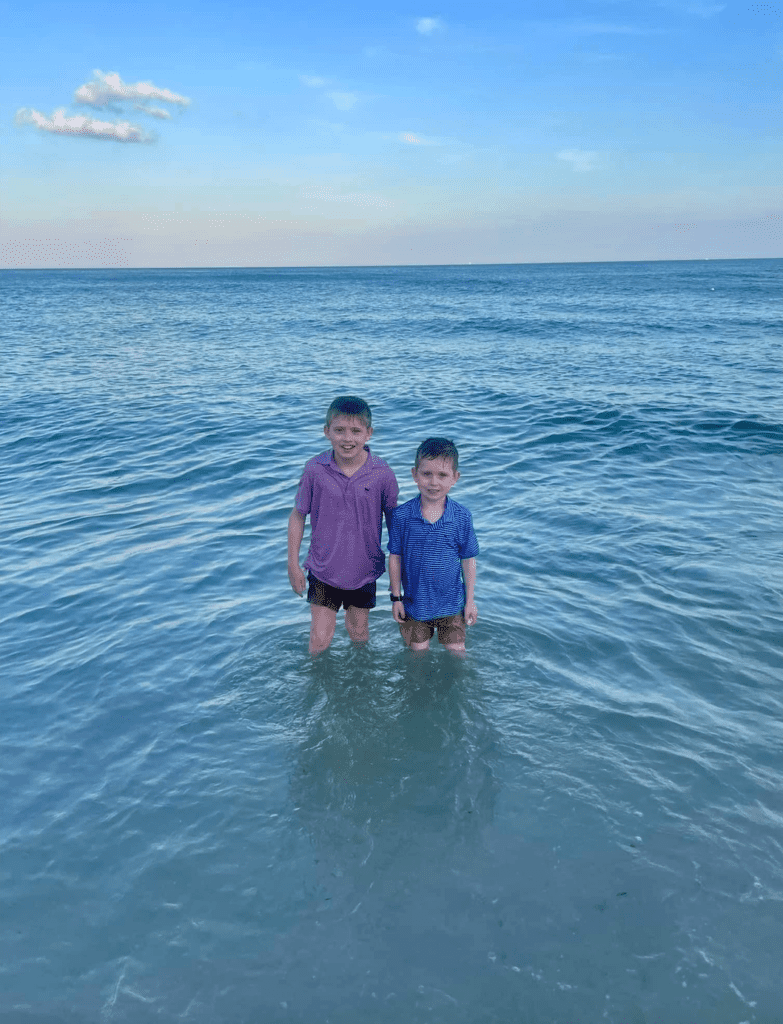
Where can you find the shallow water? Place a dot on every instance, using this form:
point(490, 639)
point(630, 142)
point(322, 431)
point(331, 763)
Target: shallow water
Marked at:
point(580, 822)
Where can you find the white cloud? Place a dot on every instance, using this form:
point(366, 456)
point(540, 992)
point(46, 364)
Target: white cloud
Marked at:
point(581, 159)
point(108, 88)
point(426, 26)
point(343, 100)
point(164, 115)
point(87, 127)
point(106, 91)
point(412, 139)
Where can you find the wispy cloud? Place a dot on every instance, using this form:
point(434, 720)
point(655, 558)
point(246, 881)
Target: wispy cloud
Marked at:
point(108, 88)
point(581, 159)
point(343, 100)
point(426, 26)
point(412, 139)
point(87, 127)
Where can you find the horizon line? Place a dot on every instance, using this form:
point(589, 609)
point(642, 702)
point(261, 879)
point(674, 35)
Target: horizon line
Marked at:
point(393, 266)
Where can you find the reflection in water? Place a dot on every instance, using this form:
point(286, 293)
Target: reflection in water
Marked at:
point(391, 764)
point(395, 758)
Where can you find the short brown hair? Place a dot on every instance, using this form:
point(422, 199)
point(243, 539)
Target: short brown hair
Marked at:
point(349, 405)
point(437, 448)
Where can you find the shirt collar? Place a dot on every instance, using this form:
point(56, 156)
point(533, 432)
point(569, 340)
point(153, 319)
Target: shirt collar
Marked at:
point(448, 511)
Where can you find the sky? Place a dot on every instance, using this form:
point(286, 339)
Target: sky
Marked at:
point(242, 134)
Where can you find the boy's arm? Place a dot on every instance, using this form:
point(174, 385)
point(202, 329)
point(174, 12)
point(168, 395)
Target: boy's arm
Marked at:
point(389, 499)
point(296, 527)
point(395, 582)
point(469, 576)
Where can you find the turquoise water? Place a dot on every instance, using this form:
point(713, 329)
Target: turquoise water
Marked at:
point(580, 822)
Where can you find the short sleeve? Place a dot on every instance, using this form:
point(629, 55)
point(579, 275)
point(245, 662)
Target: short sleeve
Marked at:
point(304, 494)
point(395, 534)
point(469, 547)
point(391, 490)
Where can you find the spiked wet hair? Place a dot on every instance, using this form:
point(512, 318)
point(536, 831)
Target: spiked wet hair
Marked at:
point(437, 448)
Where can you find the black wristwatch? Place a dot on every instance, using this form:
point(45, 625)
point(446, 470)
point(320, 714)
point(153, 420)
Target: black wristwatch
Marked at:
point(395, 597)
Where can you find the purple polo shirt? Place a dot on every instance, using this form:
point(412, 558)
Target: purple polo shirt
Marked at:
point(346, 514)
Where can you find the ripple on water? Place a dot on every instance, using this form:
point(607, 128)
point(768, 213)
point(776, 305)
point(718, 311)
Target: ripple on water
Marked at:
point(577, 818)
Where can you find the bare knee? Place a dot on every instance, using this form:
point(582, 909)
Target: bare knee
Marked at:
point(456, 648)
point(321, 629)
point(357, 622)
point(320, 640)
point(425, 646)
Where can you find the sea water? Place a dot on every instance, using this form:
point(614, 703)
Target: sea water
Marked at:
point(580, 822)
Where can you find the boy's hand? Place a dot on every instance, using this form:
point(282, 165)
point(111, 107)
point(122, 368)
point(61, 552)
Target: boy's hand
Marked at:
point(297, 579)
point(471, 613)
point(398, 611)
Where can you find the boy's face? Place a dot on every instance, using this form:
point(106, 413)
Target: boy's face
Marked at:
point(435, 478)
point(348, 436)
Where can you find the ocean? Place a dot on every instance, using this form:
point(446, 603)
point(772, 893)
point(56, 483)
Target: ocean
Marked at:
point(580, 822)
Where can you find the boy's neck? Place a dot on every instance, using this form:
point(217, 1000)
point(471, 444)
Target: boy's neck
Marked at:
point(350, 467)
point(432, 510)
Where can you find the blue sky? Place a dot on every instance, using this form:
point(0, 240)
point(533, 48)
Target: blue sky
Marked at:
point(238, 134)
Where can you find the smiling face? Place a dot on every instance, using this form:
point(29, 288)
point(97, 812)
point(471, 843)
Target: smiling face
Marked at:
point(434, 478)
point(348, 436)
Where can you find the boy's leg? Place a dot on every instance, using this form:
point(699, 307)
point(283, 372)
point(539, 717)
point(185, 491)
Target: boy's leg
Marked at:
point(357, 622)
point(322, 623)
point(357, 605)
point(451, 633)
point(417, 635)
point(323, 613)
point(420, 647)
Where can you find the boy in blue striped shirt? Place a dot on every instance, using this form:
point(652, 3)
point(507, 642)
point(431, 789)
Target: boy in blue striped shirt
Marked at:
point(432, 554)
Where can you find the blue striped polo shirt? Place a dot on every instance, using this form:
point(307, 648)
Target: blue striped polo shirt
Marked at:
point(431, 555)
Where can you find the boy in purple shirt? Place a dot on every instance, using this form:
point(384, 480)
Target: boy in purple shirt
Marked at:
point(346, 492)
